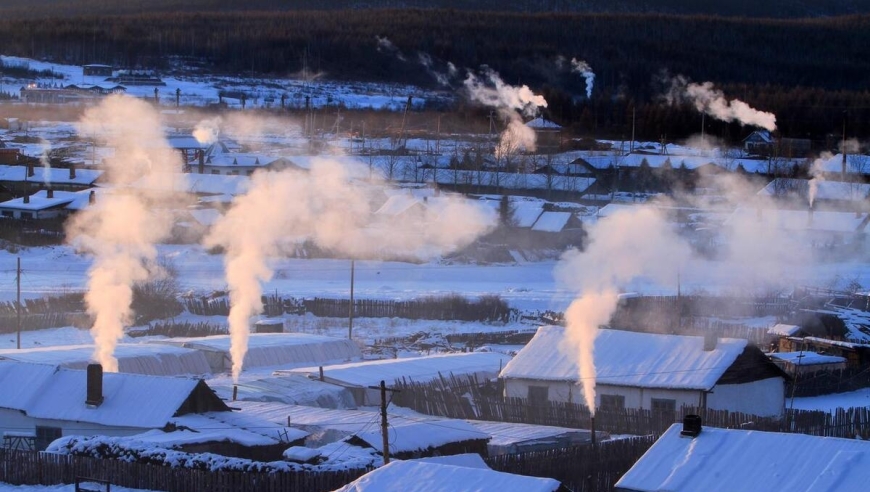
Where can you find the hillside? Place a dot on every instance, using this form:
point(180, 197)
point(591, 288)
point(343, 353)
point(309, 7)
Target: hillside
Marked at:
point(736, 8)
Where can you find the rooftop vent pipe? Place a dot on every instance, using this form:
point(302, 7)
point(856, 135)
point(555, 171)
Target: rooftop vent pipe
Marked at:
point(95, 386)
point(691, 426)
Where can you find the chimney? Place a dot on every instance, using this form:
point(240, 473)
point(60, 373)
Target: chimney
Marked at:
point(26, 197)
point(30, 171)
point(710, 341)
point(72, 172)
point(810, 216)
point(92, 197)
point(843, 164)
point(691, 426)
point(201, 154)
point(49, 193)
point(95, 386)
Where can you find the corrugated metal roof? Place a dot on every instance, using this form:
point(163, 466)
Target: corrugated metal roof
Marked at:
point(625, 358)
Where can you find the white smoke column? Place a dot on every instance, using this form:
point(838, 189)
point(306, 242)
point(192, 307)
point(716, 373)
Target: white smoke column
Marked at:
point(426, 61)
point(817, 169)
point(282, 209)
point(45, 161)
point(495, 93)
point(583, 68)
point(385, 45)
point(625, 246)
point(121, 229)
point(713, 102)
point(510, 101)
point(207, 131)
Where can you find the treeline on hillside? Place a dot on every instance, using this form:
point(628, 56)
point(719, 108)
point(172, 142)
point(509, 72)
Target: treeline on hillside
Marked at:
point(807, 71)
point(740, 8)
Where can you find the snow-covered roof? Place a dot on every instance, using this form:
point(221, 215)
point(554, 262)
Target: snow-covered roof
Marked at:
point(221, 426)
point(798, 220)
point(185, 142)
point(206, 216)
point(276, 349)
point(855, 164)
point(624, 358)
point(421, 476)
point(200, 184)
point(83, 177)
point(552, 221)
point(239, 160)
point(137, 358)
point(807, 358)
point(130, 400)
point(398, 204)
point(540, 123)
point(467, 460)
point(728, 460)
point(783, 330)
point(419, 369)
point(408, 436)
point(526, 213)
point(760, 136)
point(40, 201)
point(825, 190)
point(20, 383)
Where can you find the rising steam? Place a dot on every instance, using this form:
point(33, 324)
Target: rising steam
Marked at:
point(207, 131)
point(44, 160)
point(713, 102)
point(583, 68)
point(624, 246)
point(323, 206)
point(121, 229)
point(511, 103)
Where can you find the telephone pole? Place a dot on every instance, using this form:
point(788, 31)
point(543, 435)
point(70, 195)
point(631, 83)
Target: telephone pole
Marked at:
point(350, 310)
point(385, 429)
point(18, 303)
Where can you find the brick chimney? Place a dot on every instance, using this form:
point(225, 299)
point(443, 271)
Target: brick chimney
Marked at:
point(92, 197)
point(49, 193)
point(26, 197)
point(691, 426)
point(72, 172)
point(30, 171)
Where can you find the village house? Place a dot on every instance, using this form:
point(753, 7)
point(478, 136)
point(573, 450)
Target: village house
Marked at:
point(69, 94)
point(761, 142)
point(359, 377)
point(690, 458)
point(649, 371)
point(219, 159)
point(423, 476)
point(16, 180)
point(97, 70)
point(41, 402)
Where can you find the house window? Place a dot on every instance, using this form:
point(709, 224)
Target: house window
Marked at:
point(612, 402)
point(662, 405)
point(8, 213)
point(26, 215)
point(538, 394)
point(45, 436)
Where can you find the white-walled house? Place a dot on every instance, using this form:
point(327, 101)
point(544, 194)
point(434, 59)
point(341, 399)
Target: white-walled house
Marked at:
point(44, 402)
point(650, 371)
point(730, 460)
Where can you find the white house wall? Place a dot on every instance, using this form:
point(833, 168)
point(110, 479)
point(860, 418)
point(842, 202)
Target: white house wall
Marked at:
point(16, 421)
point(764, 398)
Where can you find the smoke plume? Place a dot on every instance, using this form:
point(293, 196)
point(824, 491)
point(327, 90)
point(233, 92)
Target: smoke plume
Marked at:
point(207, 131)
point(44, 160)
point(511, 102)
point(121, 229)
point(713, 102)
point(624, 246)
point(387, 46)
point(583, 68)
point(322, 206)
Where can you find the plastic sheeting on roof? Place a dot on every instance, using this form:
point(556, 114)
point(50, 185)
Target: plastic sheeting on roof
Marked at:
point(624, 358)
point(727, 460)
point(276, 349)
point(419, 369)
point(149, 359)
point(408, 436)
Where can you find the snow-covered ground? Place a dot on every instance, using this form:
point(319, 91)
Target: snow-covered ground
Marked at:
point(828, 403)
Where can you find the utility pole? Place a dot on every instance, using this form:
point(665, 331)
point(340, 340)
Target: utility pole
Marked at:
point(438, 136)
point(18, 302)
point(350, 310)
point(703, 115)
point(385, 429)
point(633, 115)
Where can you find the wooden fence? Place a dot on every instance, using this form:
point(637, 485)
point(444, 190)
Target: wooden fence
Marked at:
point(453, 307)
point(827, 382)
point(38, 468)
point(469, 398)
point(580, 468)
